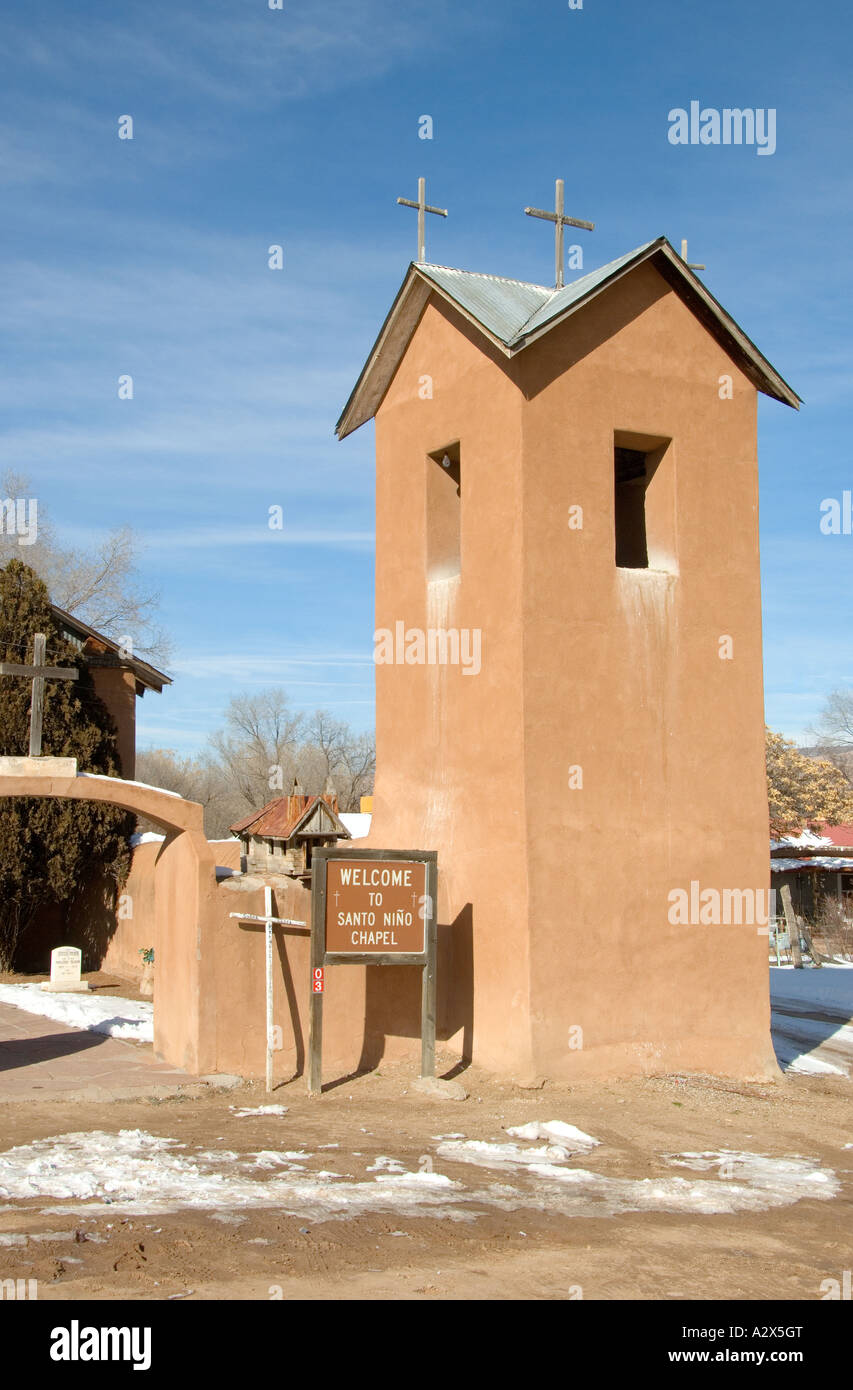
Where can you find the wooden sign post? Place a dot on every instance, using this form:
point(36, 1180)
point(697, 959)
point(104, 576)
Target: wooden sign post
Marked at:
point(372, 907)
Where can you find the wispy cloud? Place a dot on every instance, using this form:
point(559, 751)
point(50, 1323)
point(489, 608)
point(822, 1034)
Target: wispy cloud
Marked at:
point(232, 54)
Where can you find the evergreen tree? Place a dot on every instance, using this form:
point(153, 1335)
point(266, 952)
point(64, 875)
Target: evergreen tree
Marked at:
point(52, 851)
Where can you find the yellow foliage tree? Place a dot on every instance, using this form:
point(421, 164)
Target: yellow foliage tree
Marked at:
point(804, 791)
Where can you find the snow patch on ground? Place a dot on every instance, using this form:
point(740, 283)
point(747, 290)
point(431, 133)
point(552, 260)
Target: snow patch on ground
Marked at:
point(132, 1019)
point(146, 1174)
point(556, 1130)
point(831, 985)
point(486, 1154)
point(259, 1110)
point(812, 1014)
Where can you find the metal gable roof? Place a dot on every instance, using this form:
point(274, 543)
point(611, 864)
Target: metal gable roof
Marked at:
point(514, 313)
point(501, 306)
point(571, 295)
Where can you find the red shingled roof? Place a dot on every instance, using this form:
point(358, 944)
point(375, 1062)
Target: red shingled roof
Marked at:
point(276, 820)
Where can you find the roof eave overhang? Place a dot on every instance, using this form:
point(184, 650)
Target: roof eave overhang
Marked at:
point(394, 337)
point(146, 675)
point(708, 310)
point(405, 313)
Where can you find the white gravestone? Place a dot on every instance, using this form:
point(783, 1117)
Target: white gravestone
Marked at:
point(65, 966)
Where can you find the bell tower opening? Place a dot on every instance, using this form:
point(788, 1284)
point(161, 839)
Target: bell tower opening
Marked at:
point(444, 507)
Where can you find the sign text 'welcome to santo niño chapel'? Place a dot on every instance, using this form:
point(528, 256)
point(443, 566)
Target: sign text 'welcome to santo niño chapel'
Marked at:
point(376, 905)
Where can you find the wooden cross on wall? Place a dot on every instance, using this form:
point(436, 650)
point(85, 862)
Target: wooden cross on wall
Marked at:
point(559, 218)
point(423, 207)
point(39, 673)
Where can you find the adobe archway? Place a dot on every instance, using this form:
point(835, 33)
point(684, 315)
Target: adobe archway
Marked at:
point(184, 889)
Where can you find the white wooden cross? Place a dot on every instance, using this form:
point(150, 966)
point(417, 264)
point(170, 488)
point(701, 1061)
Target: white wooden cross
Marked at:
point(560, 220)
point(40, 673)
point(423, 207)
point(268, 920)
point(691, 264)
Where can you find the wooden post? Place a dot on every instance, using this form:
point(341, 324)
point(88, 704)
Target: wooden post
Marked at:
point(428, 978)
point(315, 1010)
point(37, 709)
point(268, 972)
point(793, 927)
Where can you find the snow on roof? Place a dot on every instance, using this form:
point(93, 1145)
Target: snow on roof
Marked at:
point(146, 786)
point(805, 839)
point(825, 862)
point(357, 823)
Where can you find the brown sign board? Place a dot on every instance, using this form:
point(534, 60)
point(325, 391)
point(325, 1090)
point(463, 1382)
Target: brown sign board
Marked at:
point(376, 906)
point(372, 907)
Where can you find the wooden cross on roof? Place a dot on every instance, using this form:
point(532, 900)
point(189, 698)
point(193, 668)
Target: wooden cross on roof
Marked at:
point(39, 673)
point(423, 208)
point(692, 265)
point(560, 220)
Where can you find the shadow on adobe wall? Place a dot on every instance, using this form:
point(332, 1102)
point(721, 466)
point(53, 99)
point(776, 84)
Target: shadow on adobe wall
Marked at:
point(393, 999)
point(89, 922)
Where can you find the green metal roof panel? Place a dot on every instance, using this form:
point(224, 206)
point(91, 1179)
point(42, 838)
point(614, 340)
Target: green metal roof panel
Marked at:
point(560, 300)
point(503, 307)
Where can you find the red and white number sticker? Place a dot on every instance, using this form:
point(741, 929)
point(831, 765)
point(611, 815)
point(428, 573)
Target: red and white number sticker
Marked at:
point(319, 980)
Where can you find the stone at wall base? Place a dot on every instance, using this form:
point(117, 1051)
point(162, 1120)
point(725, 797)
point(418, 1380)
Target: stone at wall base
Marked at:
point(38, 767)
point(82, 988)
point(441, 1090)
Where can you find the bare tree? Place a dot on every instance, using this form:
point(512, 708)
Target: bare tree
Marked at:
point(334, 751)
point(833, 731)
point(263, 746)
point(834, 727)
point(257, 750)
point(354, 776)
point(102, 586)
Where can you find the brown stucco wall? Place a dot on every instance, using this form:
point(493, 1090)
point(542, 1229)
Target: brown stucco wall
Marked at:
point(563, 895)
point(117, 688)
point(138, 931)
point(623, 677)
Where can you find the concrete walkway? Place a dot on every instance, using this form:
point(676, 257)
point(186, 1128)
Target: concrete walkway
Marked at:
point(44, 1060)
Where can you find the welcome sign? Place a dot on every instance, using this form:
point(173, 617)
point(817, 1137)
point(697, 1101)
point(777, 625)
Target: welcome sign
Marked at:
point(378, 906)
point(372, 907)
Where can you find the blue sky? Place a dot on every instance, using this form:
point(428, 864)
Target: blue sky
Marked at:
point(300, 127)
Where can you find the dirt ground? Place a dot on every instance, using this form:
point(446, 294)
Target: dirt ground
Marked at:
point(501, 1235)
